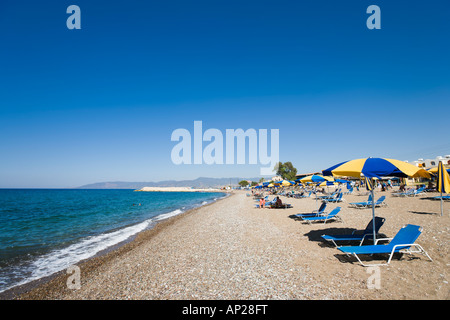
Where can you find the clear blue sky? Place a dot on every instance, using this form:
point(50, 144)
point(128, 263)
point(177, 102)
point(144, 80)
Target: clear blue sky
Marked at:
point(100, 103)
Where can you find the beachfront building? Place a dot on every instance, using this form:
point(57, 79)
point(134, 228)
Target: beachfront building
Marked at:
point(431, 163)
point(428, 164)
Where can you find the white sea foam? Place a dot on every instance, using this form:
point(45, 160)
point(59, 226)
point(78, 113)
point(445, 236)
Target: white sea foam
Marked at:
point(167, 215)
point(61, 259)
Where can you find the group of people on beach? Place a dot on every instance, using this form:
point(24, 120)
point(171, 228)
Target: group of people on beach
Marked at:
point(276, 204)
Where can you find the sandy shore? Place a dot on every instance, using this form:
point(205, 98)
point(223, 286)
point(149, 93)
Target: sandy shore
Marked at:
point(230, 250)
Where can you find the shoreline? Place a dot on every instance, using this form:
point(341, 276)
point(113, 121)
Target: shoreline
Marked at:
point(34, 289)
point(178, 189)
point(229, 250)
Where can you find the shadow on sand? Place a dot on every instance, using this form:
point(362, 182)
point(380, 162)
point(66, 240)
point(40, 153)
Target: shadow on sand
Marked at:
point(421, 212)
point(375, 258)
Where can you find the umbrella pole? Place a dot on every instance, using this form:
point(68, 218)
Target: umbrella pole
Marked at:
point(442, 208)
point(315, 193)
point(373, 216)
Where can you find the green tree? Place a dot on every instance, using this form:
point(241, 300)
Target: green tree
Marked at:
point(286, 170)
point(243, 183)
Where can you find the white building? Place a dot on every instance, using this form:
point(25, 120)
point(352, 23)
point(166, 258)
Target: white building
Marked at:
point(431, 163)
point(427, 164)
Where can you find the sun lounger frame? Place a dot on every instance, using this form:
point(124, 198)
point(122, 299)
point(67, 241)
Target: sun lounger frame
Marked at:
point(356, 237)
point(397, 248)
point(420, 249)
point(325, 218)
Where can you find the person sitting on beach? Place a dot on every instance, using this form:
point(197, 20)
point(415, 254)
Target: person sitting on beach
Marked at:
point(262, 203)
point(278, 203)
point(402, 188)
point(430, 186)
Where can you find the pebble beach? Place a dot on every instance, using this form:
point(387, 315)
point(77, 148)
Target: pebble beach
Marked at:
point(230, 250)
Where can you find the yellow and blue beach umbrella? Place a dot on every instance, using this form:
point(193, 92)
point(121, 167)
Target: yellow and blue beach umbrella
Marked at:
point(316, 178)
point(435, 169)
point(443, 179)
point(327, 184)
point(375, 168)
point(369, 184)
point(320, 180)
point(443, 182)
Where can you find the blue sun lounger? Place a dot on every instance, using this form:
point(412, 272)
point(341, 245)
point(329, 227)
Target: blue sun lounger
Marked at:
point(314, 213)
point(380, 202)
point(402, 242)
point(357, 235)
point(418, 191)
point(349, 191)
point(337, 199)
point(329, 196)
point(410, 193)
point(403, 194)
point(331, 216)
point(354, 204)
point(368, 204)
point(303, 196)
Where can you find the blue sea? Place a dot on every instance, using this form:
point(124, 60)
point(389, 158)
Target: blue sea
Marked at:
point(43, 231)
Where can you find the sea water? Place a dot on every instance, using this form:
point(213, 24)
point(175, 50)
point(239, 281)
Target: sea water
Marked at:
point(43, 231)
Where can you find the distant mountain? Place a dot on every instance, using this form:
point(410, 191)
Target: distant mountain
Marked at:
point(201, 182)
